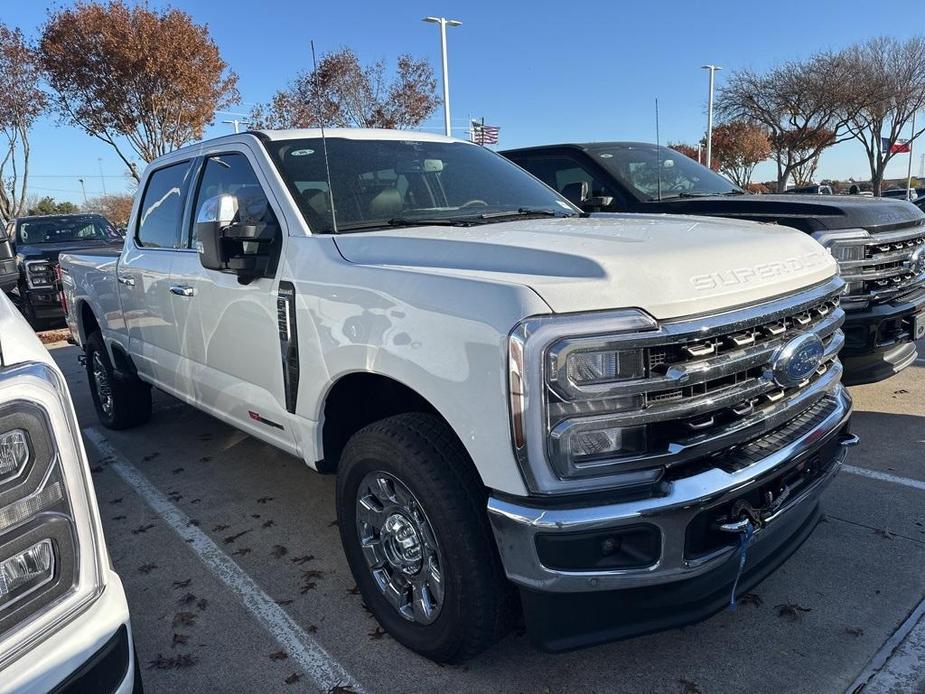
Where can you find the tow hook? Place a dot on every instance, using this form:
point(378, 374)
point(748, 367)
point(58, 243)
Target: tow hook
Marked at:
point(846, 440)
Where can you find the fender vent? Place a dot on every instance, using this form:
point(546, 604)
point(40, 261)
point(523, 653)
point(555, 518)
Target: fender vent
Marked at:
point(288, 342)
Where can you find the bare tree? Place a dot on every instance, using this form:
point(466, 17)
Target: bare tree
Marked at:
point(149, 78)
point(345, 94)
point(800, 104)
point(888, 89)
point(21, 102)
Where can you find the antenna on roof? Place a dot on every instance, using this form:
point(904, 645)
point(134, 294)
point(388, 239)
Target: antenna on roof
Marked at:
point(658, 155)
point(324, 142)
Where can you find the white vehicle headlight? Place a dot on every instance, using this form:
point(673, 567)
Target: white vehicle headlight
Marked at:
point(848, 247)
point(40, 273)
point(50, 556)
point(581, 377)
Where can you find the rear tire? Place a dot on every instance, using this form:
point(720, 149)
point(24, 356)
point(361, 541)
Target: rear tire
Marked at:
point(28, 310)
point(412, 518)
point(121, 400)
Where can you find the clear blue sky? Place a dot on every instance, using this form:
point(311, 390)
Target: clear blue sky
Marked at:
point(543, 71)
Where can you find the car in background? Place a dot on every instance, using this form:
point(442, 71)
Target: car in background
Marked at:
point(64, 621)
point(879, 243)
point(9, 273)
point(900, 193)
point(815, 189)
point(35, 243)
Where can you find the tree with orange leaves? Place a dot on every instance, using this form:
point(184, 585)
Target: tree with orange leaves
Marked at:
point(151, 79)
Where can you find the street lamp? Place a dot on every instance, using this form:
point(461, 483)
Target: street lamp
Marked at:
point(237, 123)
point(444, 23)
point(712, 69)
point(99, 160)
point(84, 189)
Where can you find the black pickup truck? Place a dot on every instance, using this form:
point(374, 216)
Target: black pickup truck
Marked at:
point(879, 242)
point(33, 245)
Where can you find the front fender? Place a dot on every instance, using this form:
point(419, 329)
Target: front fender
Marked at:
point(443, 337)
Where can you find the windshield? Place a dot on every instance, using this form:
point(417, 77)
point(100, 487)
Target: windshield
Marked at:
point(64, 229)
point(645, 169)
point(394, 183)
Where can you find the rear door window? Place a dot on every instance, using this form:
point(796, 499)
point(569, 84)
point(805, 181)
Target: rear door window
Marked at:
point(161, 209)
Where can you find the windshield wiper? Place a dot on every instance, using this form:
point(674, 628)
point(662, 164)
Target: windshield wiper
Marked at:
point(686, 195)
point(409, 222)
point(526, 212)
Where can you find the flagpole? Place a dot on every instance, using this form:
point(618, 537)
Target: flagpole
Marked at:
point(909, 176)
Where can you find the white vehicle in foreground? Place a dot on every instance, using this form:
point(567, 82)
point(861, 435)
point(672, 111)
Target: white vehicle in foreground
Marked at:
point(64, 622)
point(603, 413)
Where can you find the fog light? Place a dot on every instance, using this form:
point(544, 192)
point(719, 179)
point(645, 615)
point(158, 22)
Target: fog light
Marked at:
point(25, 571)
point(629, 547)
point(14, 452)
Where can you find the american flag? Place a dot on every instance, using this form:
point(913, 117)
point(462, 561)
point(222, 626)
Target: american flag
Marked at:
point(484, 134)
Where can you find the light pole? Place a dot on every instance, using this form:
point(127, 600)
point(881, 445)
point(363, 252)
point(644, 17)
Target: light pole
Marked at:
point(444, 23)
point(237, 123)
point(84, 189)
point(99, 160)
point(712, 69)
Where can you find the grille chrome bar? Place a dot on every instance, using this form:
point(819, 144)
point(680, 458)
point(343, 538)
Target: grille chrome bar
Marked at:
point(712, 439)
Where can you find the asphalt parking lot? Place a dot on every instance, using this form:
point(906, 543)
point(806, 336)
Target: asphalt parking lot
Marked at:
point(236, 580)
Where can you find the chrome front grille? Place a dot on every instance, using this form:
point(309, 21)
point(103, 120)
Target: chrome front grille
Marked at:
point(707, 388)
point(886, 271)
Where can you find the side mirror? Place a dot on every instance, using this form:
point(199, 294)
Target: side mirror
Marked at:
point(214, 215)
point(226, 245)
point(597, 203)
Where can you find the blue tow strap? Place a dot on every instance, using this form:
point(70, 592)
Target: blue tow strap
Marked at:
point(745, 539)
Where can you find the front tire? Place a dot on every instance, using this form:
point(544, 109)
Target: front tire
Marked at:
point(412, 519)
point(121, 400)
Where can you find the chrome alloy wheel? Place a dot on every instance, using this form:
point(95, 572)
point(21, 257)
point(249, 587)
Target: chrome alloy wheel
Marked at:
point(400, 547)
point(101, 383)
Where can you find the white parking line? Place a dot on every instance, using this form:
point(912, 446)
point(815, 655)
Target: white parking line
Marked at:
point(899, 665)
point(318, 664)
point(884, 477)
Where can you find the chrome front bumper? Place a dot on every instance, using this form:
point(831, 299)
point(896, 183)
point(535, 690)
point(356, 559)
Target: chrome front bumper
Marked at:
point(516, 525)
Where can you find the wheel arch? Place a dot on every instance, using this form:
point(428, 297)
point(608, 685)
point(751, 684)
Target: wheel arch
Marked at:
point(87, 324)
point(359, 398)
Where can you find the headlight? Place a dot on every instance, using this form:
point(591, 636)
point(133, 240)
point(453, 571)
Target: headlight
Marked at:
point(848, 247)
point(40, 273)
point(50, 561)
point(564, 407)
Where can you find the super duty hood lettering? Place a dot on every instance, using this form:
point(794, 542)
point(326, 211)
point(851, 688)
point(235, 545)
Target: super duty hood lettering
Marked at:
point(761, 271)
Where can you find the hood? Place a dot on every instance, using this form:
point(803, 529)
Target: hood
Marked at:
point(668, 266)
point(51, 251)
point(807, 212)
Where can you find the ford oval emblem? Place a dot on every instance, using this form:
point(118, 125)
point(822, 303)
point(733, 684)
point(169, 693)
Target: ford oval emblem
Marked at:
point(797, 360)
point(917, 261)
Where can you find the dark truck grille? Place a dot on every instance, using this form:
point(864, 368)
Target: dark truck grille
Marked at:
point(887, 270)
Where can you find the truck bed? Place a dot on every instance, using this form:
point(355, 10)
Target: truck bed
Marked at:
point(90, 278)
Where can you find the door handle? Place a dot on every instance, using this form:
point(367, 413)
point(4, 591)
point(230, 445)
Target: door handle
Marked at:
point(127, 280)
point(181, 290)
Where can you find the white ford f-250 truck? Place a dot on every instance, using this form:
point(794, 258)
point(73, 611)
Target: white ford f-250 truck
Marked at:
point(603, 413)
point(64, 623)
